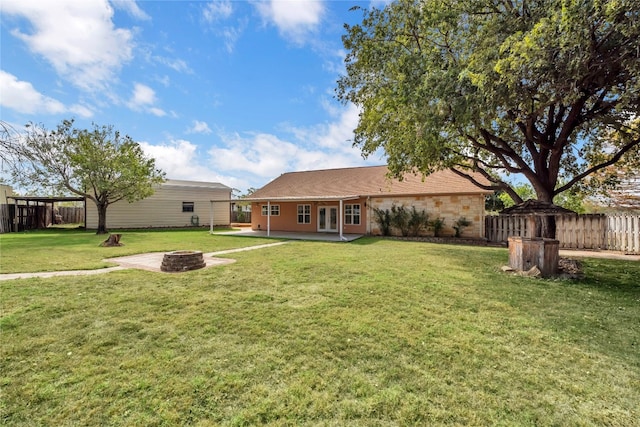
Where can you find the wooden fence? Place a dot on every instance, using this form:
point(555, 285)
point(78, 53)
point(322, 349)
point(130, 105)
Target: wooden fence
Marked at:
point(591, 231)
point(5, 219)
point(241, 217)
point(71, 215)
point(623, 233)
point(67, 214)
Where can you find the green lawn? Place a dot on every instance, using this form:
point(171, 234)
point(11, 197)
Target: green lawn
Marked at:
point(64, 249)
point(374, 332)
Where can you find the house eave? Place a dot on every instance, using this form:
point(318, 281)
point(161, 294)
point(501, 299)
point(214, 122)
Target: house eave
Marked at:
point(283, 199)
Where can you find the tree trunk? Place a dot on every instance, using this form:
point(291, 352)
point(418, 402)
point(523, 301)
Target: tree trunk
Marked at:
point(102, 218)
point(546, 227)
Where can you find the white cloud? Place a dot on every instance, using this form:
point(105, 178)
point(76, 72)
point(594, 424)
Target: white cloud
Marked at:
point(222, 10)
point(164, 80)
point(251, 159)
point(259, 154)
point(143, 99)
point(157, 112)
point(216, 10)
point(295, 19)
point(132, 8)
point(336, 135)
point(178, 65)
point(199, 127)
point(180, 159)
point(266, 156)
point(380, 4)
point(232, 34)
point(142, 95)
point(22, 97)
point(78, 38)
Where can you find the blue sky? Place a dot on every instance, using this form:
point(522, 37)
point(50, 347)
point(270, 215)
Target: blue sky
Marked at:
point(236, 92)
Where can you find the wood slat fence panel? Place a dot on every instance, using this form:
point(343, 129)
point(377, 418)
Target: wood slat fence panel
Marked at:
point(581, 231)
point(623, 233)
point(589, 231)
point(71, 215)
point(5, 219)
point(500, 227)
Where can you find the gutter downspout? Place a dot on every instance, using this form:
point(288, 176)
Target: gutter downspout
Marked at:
point(340, 221)
point(268, 218)
point(368, 230)
point(210, 216)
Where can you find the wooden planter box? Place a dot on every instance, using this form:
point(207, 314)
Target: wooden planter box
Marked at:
point(526, 252)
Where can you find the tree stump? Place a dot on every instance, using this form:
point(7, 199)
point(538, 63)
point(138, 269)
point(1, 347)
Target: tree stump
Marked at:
point(527, 252)
point(112, 240)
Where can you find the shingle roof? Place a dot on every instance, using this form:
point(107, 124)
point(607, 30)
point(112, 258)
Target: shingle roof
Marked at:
point(363, 181)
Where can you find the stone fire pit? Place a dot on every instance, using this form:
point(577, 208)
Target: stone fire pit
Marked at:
point(182, 261)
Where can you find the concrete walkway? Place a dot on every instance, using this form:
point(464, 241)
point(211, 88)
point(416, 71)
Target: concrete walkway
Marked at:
point(148, 261)
point(576, 253)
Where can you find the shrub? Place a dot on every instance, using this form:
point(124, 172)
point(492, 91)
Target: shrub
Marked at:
point(460, 224)
point(437, 225)
point(400, 219)
point(383, 219)
point(418, 220)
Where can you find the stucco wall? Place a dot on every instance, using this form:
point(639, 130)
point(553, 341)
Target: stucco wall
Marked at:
point(451, 208)
point(288, 218)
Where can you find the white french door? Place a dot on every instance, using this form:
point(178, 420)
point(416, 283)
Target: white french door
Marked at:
point(328, 218)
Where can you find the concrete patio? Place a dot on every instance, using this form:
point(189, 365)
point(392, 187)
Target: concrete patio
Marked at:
point(290, 235)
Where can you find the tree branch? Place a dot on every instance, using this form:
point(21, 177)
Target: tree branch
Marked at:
point(595, 168)
point(499, 184)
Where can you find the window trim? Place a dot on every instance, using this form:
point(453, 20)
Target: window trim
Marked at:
point(188, 207)
point(350, 215)
point(275, 210)
point(306, 214)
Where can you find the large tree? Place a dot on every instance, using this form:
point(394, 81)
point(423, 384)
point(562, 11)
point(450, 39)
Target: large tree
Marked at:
point(617, 185)
point(9, 140)
point(100, 164)
point(499, 87)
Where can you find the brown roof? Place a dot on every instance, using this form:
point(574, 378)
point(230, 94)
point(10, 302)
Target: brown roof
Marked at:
point(362, 181)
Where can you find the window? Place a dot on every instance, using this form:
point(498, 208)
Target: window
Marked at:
point(304, 214)
point(275, 210)
point(352, 214)
point(187, 206)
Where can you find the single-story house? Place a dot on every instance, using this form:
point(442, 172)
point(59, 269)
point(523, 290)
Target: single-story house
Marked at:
point(343, 200)
point(175, 203)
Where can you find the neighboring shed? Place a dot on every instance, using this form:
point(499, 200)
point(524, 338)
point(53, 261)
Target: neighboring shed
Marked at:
point(6, 210)
point(343, 200)
point(34, 212)
point(175, 203)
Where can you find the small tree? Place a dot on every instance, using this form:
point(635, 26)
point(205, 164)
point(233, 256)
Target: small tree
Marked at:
point(437, 225)
point(400, 219)
point(99, 164)
point(418, 220)
point(383, 219)
point(460, 225)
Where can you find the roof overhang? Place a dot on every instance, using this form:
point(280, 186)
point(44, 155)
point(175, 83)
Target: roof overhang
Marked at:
point(41, 199)
point(299, 199)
